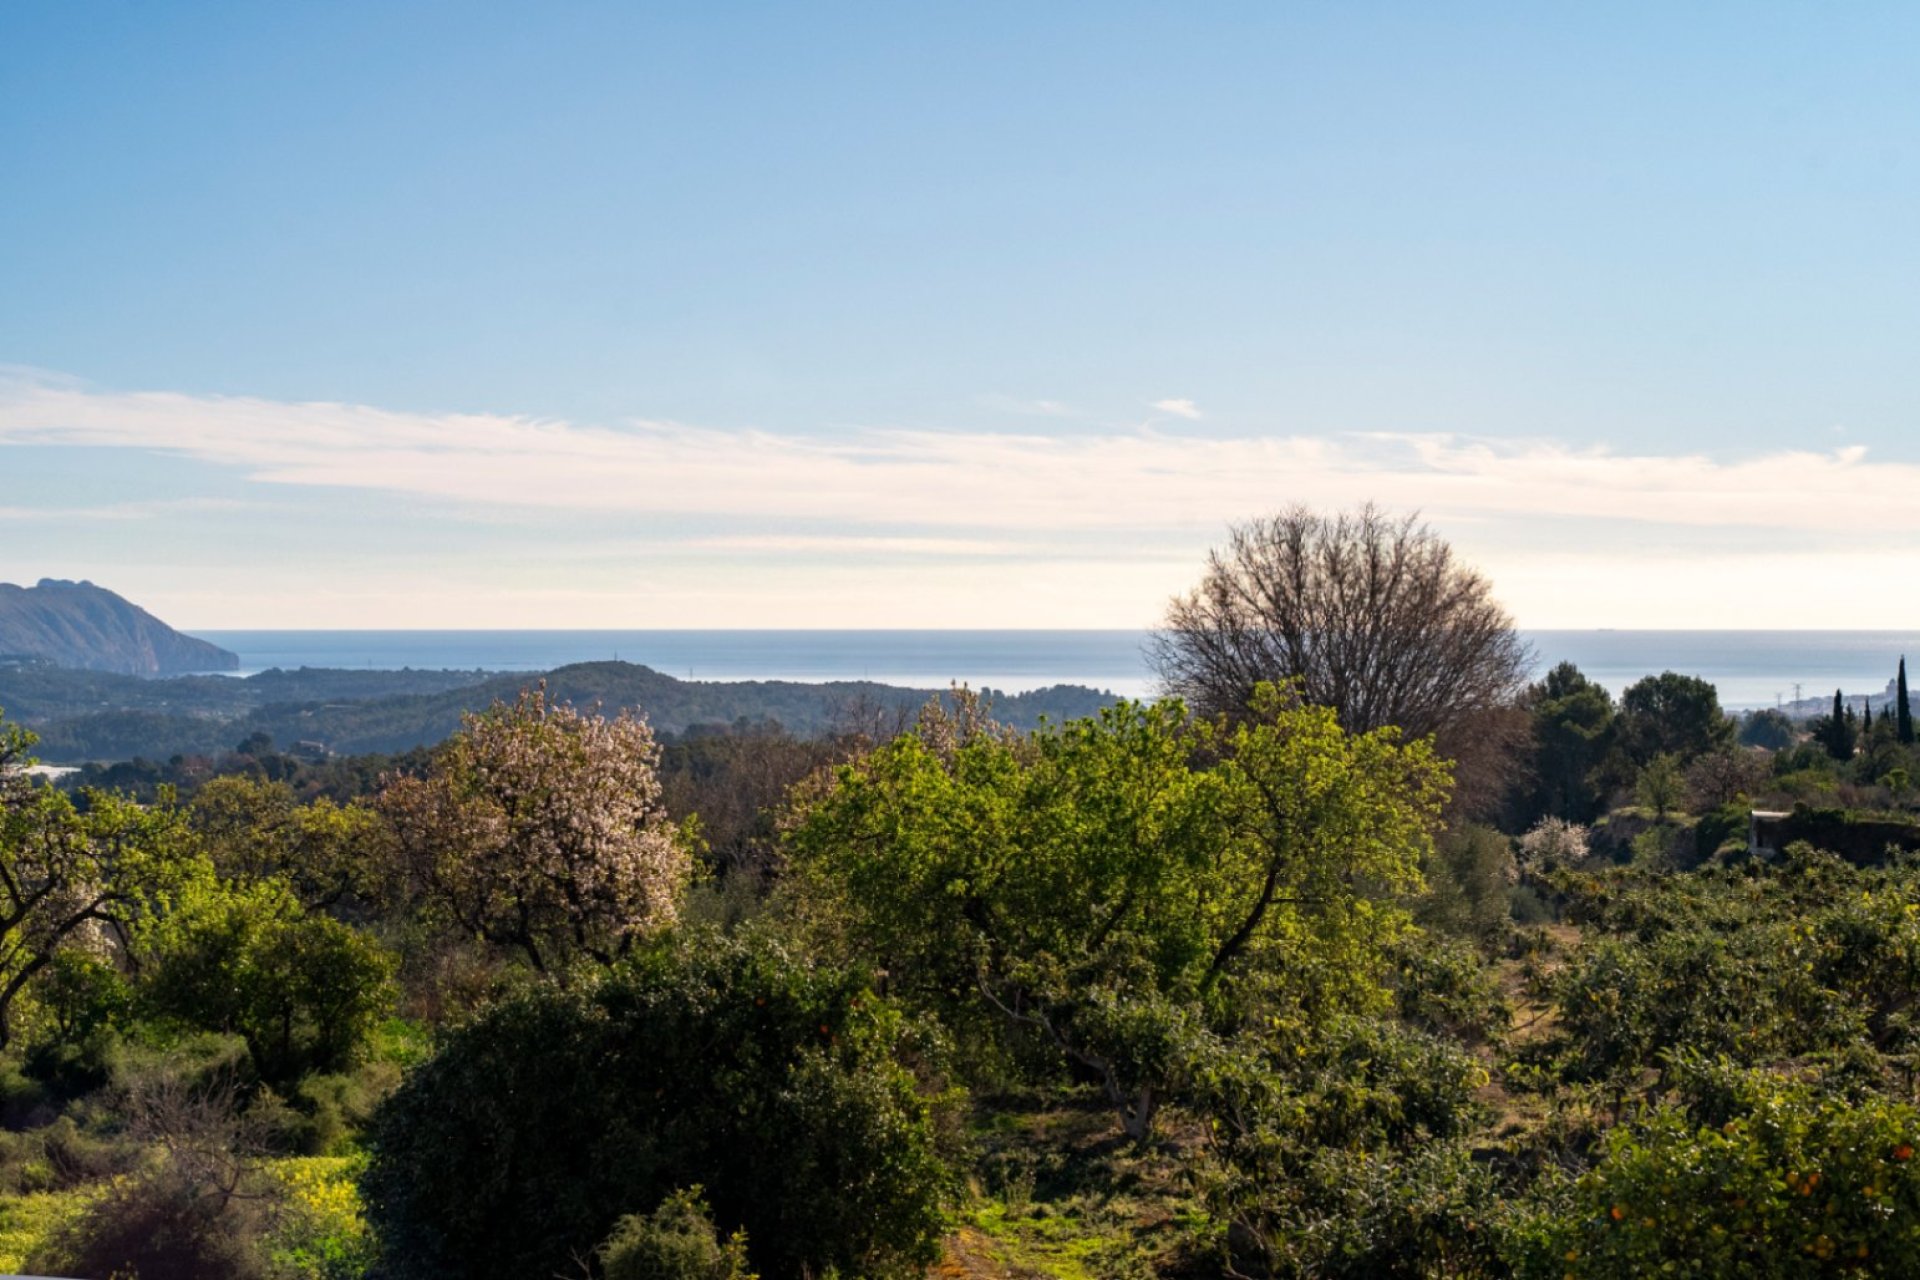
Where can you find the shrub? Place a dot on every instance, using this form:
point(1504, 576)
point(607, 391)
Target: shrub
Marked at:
point(1442, 986)
point(676, 1242)
point(1791, 1184)
point(159, 1226)
point(709, 1060)
point(201, 1211)
point(1388, 1216)
point(1310, 1143)
point(304, 991)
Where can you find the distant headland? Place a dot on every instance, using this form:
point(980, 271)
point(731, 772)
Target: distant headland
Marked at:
point(79, 625)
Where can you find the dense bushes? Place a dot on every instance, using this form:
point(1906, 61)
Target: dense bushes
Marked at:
point(1777, 1181)
point(675, 1242)
point(727, 1063)
point(1117, 887)
point(1759, 963)
point(304, 991)
point(1305, 1136)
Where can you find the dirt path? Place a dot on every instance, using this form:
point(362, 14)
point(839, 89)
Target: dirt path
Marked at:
point(970, 1256)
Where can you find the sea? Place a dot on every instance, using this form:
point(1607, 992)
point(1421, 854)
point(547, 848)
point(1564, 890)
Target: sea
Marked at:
point(1750, 668)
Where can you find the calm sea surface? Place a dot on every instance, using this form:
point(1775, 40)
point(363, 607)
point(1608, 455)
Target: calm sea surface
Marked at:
point(1751, 668)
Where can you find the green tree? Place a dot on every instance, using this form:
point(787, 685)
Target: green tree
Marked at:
point(1670, 714)
point(1661, 785)
point(1769, 729)
point(1097, 886)
point(1838, 732)
point(72, 877)
point(1572, 718)
point(1903, 709)
point(304, 991)
point(254, 829)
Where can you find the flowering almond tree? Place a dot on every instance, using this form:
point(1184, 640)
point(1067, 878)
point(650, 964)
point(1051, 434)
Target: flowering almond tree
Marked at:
point(541, 828)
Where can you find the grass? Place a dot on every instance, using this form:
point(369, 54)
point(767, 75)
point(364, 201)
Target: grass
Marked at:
point(1060, 1195)
point(26, 1221)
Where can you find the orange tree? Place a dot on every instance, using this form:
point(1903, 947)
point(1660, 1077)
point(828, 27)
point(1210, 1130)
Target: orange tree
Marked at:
point(1756, 1176)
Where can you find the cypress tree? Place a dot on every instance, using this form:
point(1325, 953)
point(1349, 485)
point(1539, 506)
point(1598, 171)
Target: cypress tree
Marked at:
point(1903, 710)
point(1839, 745)
point(1866, 718)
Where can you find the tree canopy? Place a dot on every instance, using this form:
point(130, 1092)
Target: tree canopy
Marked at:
point(1371, 616)
point(541, 828)
point(1102, 882)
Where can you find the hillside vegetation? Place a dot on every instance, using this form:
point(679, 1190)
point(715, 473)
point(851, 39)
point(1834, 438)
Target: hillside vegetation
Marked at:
point(1278, 990)
point(83, 716)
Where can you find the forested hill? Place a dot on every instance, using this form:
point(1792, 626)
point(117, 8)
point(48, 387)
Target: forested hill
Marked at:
point(87, 716)
point(76, 624)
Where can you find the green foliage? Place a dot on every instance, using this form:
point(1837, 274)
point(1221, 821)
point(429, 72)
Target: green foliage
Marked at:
point(1756, 964)
point(304, 991)
point(1307, 1141)
point(1769, 729)
point(254, 830)
point(1572, 721)
point(1443, 986)
point(725, 1062)
point(1670, 714)
point(1097, 886)
point(70, 877)
point(1780, 1183)
point(1659, 785)
point(1395, 1215)
point(675, 1242)
point(1469, 883)
point(320, 1233)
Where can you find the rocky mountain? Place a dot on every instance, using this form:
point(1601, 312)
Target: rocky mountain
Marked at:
point(76, 624)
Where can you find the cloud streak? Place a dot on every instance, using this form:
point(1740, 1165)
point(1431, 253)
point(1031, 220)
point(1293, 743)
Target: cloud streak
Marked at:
point(1138, 481)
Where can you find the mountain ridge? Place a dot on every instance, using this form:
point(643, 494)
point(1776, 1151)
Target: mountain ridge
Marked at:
point(89, 628)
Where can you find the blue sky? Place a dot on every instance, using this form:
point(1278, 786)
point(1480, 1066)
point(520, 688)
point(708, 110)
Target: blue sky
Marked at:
point(993, 315)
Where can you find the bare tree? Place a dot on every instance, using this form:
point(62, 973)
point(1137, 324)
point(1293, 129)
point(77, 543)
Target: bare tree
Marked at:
point(1374, 617)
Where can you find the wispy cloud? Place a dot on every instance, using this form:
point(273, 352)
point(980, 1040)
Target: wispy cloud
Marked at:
point(142, 510)
point(852, 544)
point(1030, 408)
point(1179, 408)
point(665, 524)
point(993, 482)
